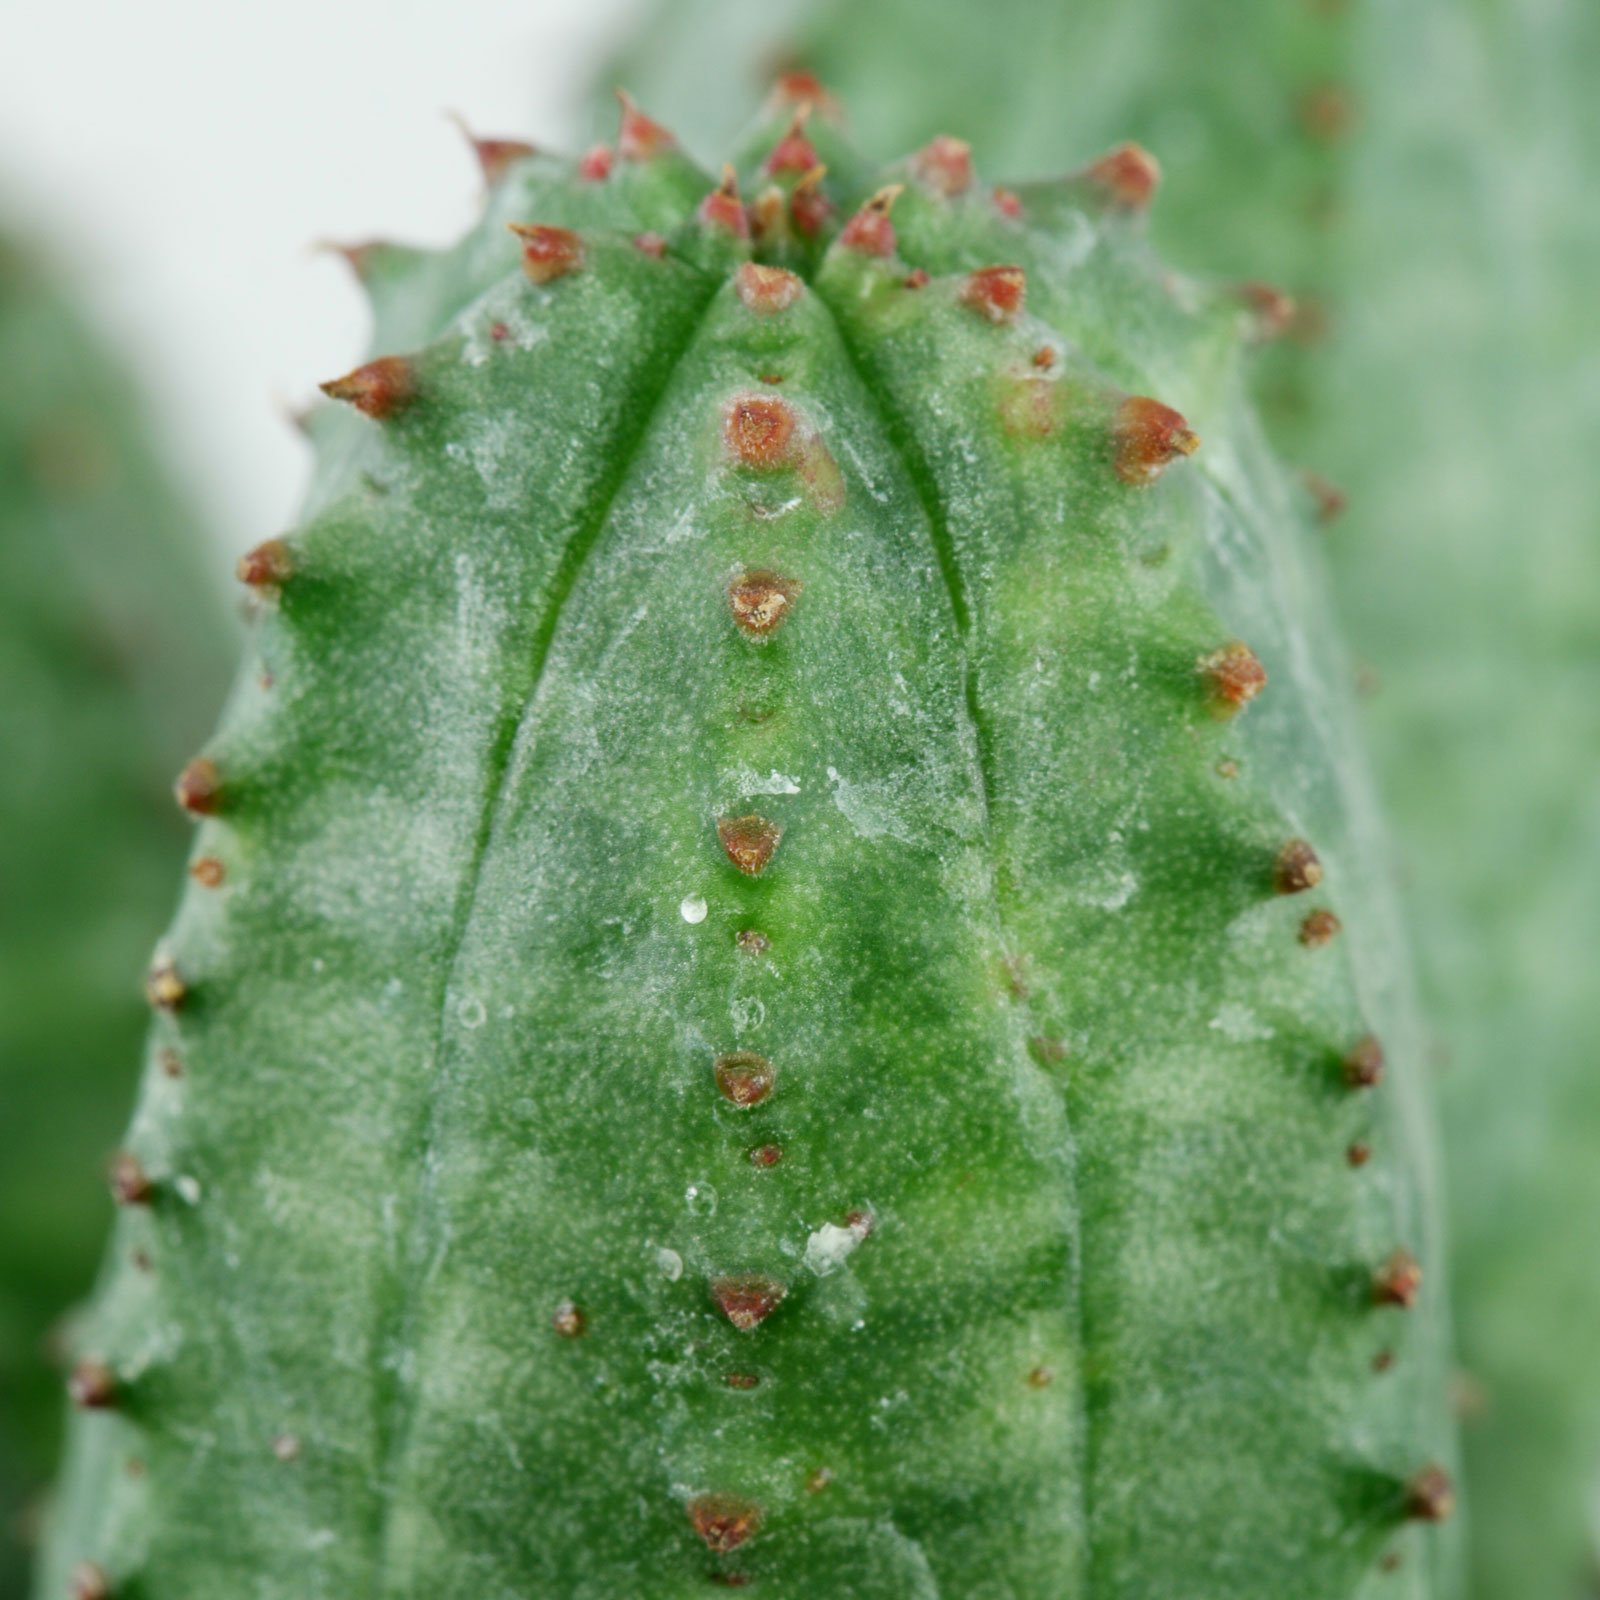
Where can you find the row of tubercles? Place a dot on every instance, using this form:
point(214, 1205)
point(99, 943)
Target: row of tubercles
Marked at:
point(1147, 437)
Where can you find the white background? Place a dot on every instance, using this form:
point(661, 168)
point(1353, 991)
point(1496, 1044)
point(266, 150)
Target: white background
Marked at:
point(181, 157)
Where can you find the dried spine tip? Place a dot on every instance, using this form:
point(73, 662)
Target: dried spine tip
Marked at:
point(766, 1155)
point(794, 152)
point(130, 1183)
point(944, 165)
point(870, 231)
point(1236, 676)
point(749, 842)
point(88, 1582)
point(1329, 497)
point(1363, 1066)
point(723, 209)
point(758, 429)
point(766, 290)
point(208, 872)
point(495, 156)
point(164, 985)
point(199, 787)
point(995, 292)
point(1398, 1281)
point(1272, 311)
point(1128, 176)
point(638, 138)
point(1148, 436)
point(760, 601)
point(547, 253)
point(568, 1320)
point(650, 244)
point(1297, 868)
point(377, 389)
point(1359, 1153)
point(1319, 927)
point(752, 942)
point(744, 1078)
point(1041, 1378)
point(595, 167)
point(92, 1385)
point(269, 566)
point(723, 1521)
point(742, 1380)
point(1430, 1496)
point(809, 207)
point(747, 1299)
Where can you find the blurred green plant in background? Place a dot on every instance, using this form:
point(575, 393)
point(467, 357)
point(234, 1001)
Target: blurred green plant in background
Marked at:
point(114, 652)
point(1420, 178)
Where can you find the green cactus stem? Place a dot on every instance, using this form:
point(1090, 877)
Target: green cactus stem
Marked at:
point(111, 641)
point(768, 1011)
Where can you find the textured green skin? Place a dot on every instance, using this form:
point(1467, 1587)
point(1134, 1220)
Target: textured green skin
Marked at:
point(1218, 89)
point(447, 1049)
point(111, 642)
point(1459, 266)
point(1470, 572)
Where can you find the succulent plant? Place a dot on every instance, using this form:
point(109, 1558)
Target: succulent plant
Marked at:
point(111, 642)
point(786, 953)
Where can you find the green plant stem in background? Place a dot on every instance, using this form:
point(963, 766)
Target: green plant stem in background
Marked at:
point(111, 643)
point(770, 997)
point(1423, 171)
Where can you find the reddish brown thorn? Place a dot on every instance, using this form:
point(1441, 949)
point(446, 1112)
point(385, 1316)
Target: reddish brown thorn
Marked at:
point(495, 156)
point(749, 842)
point(1297, 868)
point(766, 290)
point(1127, 176)
point(1325, 112)
point(638, 138)
point(88, 1582)
point(1044, 358)
point(1041, 1378)
point(870, 231)
point(1272, 311)
point(199, 787)
point(793, 152)
point(1430, 1496)
point(774, 378)
point(818, 1480)
point(1398, 1281)
point(92, 1386)
point(171, 1063)
point(722, 207)
point(547, 253)
point(760, 601)
point(766, 1155)
point(803, 88)
point(1236, 676)
point(995, 292)
point(809, 205)
point(1363, 1066)
point(917, 278)
point(742, 1380)
point(650, 244)
point(130, 1183)
point(744, 1078)
point(1008, 203)
point(1359, 1153)
point(286, 1447)
point(758, 430)
point(1328, 497)
point(378, 389)
point(1319, 928)
point(569, 1321)
point(1148, 436)
point(1390, 1561)
point(1383, 1360)
point(268, 566)
point(751, 942)
point(723, 1521)
point(164, 987)
point(747, 1299)
point(141, 1260)
point(944, 165)
point(595, 167)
